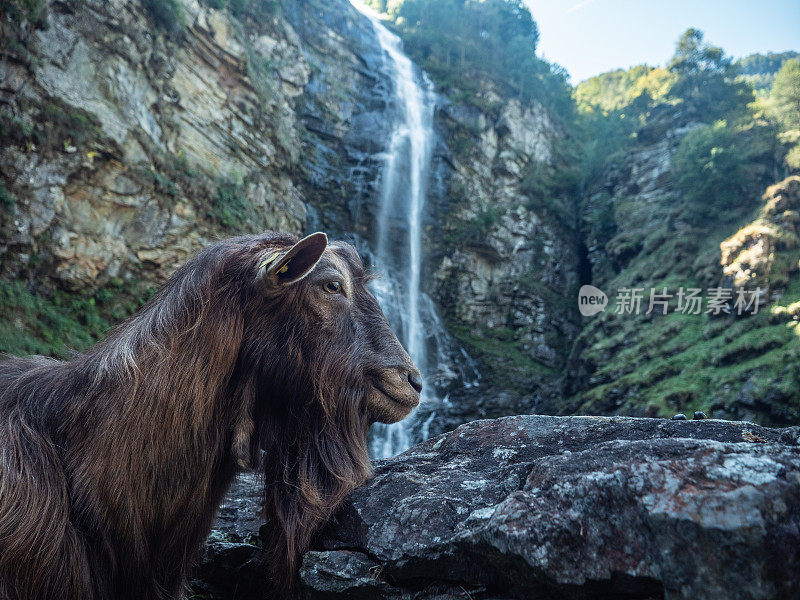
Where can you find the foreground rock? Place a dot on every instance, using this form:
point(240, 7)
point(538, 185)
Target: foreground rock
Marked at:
point(550, 507)
point(575, 507)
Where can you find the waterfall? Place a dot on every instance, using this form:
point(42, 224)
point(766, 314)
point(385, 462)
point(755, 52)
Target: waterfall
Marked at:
point(397, 244)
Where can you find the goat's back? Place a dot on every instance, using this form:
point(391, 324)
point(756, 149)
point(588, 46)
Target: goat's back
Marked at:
point(41, 554)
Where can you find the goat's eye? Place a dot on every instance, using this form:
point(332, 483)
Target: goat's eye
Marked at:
point(333, 287)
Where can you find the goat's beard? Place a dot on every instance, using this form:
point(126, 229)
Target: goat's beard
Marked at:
point(312, 461)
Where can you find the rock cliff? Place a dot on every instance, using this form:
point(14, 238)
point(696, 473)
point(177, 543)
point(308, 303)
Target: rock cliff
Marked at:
point(555, 507)
point(508, 258)
point(128, 145)
point(641, 232)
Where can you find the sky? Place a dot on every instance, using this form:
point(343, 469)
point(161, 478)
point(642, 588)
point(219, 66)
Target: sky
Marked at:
point(589, 37)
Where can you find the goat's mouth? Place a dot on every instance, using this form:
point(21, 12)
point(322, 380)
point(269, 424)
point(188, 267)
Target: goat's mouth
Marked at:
point(390, 403)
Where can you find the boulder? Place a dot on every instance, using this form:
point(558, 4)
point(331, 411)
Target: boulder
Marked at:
point(572, 507)
point(549, 508)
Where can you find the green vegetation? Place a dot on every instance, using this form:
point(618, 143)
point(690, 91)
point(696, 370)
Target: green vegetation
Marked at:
point(21, 10)
point(711, 168)
point(783, 106)
point(618, 89)
point(513, 366)
point(167, 14)
point(711, 165)
point(758, 70)
point(689, 362)
point(261, 72)
point(57, 323)
point(550, 188)
point(172, 175)
point(706, 79)
point(612, 107)
point(463, 44)
point(56, 126)
point(231, 207)
point(474, 230)
point(665, 364)
point(7, 200)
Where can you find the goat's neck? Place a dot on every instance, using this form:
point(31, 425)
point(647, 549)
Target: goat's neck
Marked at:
point(159, 444)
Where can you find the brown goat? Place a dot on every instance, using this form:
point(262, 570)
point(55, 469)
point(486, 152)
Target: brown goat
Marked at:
point(261, 351)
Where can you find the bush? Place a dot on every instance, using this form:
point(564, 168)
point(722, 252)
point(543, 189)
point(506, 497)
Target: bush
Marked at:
point(167, 14)
point(710, 163)
point(7, 200)
point(231, 207)
point(21, 10)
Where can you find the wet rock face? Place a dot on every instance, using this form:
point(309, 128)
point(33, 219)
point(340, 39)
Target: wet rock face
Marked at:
point(575, 507)
point(504, 262)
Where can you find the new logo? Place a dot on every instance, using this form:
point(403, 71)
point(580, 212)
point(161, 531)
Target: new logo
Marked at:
point(591, 300)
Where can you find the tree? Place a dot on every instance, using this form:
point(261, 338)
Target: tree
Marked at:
point(785, 95)
point(463, 44)
point(705, 79)
point(710, 164)
point(784, 107)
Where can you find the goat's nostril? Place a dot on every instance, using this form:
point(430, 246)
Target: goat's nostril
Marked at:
point(416, 381)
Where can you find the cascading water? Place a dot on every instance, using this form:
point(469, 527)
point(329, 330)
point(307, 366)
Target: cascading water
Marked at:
point(398, 242)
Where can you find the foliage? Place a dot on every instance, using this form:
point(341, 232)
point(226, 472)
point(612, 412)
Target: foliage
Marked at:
point(173, 174)
point(22, 10)
point(614, 107)
point(549, 187)
point(55, 126)
point(618, 89)
point(608, 119)
point(230, 206)
point(683, 362)
point(758, 70)
point(693, 362)
point(167, 14)
point(709, 167)
point(56, 323)
point(783, 105)
point(785, 95)
point(706, 79)
point(464, 43)
point(7, 200)
point(513, 365)
point(476, 229)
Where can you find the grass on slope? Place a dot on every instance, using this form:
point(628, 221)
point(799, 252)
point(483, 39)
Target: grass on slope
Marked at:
point(31, 323)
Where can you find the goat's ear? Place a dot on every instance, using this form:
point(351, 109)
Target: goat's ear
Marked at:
point(296, 262)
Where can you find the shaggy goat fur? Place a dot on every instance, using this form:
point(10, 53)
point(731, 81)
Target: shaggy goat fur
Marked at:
point(113, 464)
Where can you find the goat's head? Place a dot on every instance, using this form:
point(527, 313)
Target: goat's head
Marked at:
point(317, 334)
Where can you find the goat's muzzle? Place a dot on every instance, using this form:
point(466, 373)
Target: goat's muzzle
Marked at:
point(395, 393)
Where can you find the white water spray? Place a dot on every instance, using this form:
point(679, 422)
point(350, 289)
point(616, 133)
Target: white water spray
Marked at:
point(403, 185)
point(398, 241)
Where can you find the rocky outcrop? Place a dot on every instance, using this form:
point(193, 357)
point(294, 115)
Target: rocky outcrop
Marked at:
point(507, 254)
point(126, 148)
point(764, 254)
point(130, 134)
point(642, 234)
point(555, 507)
